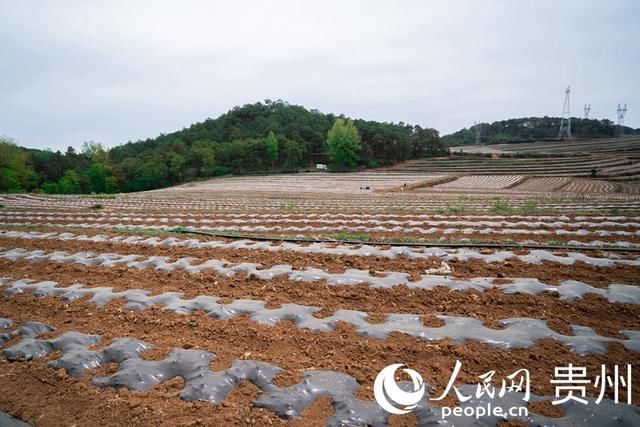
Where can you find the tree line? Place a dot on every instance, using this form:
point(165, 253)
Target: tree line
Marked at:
point(269, 136)
point(529, 129)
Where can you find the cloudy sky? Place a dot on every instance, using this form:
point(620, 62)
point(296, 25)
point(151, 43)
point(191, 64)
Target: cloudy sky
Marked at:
point(114, 71)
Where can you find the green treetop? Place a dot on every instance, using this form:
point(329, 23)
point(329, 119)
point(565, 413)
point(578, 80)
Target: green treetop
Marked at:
point(271, 144)
point(343, 141)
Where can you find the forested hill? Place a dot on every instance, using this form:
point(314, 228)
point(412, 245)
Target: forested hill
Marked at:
point(529, 129)
point(270, 136)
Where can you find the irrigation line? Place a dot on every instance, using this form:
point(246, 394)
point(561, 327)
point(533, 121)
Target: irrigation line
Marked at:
point(414, 244)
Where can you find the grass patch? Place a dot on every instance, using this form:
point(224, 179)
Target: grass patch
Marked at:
point(500, 206)
point(529, 207)
point(554, 243)
point(288, 207)
point(212, 232)
point(28, 227)
point(403, 239)
point(457, 208)
point(184, 230)
point(137, 230)
point(97, 206)
point(460, 206)
point(360, 237)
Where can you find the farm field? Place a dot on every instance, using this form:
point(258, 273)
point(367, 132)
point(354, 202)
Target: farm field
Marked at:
point(277, 300)
point(612, 159)
point(303, 214)
point(348, 183)
point(626, 145)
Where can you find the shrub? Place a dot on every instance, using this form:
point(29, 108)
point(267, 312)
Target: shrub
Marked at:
point(529, 207)
point(501, 206)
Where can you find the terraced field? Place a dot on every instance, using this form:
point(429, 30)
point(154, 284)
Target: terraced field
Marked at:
point(530, 184)
point(313, 182)
point(279, 304)
point(613, 159)
point(621, 146)
point(483, 181)
point(544, 184)
point(580, 165)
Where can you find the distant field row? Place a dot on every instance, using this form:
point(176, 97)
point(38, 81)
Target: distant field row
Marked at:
point(616, 159)
point(426, 200)
point(618, 145)
point(605, 145)
point(536, 184)
point(581, 166)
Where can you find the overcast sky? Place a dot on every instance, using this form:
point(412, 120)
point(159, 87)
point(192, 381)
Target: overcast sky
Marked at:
point(114, 71)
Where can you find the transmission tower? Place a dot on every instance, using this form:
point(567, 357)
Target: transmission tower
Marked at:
point(622, 111)
point(587, 110)
point(478, 128)
point(565, 121)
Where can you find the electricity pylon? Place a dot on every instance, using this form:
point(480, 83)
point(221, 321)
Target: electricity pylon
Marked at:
point(478, 129)
point(622, 111)
point(565, 121)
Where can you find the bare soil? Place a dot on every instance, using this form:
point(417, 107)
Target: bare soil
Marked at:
point(76, 401)
point(45, 397)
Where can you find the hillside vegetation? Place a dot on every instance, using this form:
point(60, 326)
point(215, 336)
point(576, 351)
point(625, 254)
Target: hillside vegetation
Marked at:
point(528, 129)
point(261, 137)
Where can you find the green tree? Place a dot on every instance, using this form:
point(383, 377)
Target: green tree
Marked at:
point(202, 158)
point(70, 183)
point(9, 181)
point(343, 141)
point(15, 175)
point(97, 175)
point(50, 188)
point(272, 148)
point(95, 152)
point(153, 175)
point(176, 167)
point(111, 184)
point(293, 156)
point(426, 143)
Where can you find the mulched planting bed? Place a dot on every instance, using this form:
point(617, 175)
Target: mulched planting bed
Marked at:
point(41, 395)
